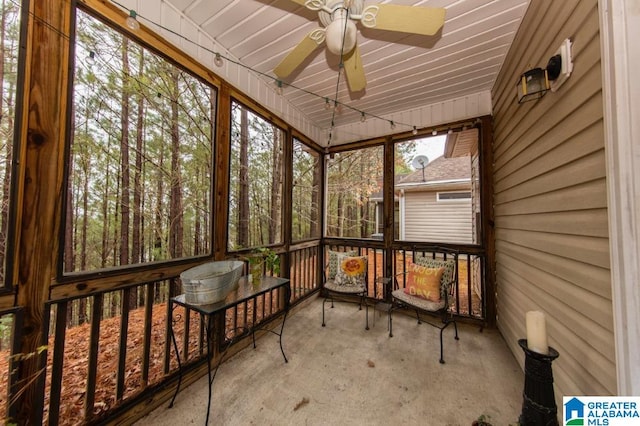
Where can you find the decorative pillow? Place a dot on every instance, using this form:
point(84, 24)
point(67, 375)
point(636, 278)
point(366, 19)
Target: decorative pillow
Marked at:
point(448, 265)
point(352, 270)
point(424, 282)
point(333, 261)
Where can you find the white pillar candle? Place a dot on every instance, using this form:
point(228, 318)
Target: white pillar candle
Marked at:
point(537, 332)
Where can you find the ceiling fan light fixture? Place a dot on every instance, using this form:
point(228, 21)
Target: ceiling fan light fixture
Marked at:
point(338, 30)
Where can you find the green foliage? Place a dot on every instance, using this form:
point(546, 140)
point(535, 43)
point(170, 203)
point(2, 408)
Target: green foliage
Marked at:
point(404, 154)
point(306, 192)
point(168, 141)
point(24, 384)
point(271, 259)
point(6, 328)
point(353, 178)
point(9, 50)
point(256, 176)
point(483, 420)
point(23, 356)
point(267, 255)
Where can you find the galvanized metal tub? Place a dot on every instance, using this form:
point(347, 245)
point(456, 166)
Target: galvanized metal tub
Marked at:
point(211, 282)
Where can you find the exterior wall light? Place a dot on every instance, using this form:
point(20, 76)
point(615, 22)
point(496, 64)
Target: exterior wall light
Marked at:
point(533, 84)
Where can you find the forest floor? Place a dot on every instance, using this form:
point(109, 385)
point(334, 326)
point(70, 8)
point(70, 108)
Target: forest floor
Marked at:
point(74, 378)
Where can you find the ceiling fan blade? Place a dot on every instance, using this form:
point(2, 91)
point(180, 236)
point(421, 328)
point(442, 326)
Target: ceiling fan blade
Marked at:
point(354, 71)
point(406, 19)
point(309, 43)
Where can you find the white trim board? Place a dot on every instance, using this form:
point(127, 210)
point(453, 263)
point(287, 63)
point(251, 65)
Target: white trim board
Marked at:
point(620, 32)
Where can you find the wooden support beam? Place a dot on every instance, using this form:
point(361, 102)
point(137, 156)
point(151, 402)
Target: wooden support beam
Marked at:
point(221, 179)
point(388, 206)
point(40, 190)
point(488, 230)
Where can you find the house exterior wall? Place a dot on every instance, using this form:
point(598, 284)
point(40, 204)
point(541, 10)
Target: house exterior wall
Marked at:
point(619, 32)
point(440, 112)
point(550, 197)
point(427, 219)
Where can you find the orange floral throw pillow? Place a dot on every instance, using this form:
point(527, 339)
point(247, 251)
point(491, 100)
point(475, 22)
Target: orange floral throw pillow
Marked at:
point(351, 270)
point(424, 282)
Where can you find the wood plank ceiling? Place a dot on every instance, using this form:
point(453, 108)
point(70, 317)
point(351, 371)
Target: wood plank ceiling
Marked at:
point(403, 71)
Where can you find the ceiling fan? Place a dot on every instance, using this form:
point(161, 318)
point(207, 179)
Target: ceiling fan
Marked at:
point(340, 32)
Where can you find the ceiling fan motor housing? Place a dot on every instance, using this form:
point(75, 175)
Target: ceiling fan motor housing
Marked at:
point(339, 8)
point(341, 32)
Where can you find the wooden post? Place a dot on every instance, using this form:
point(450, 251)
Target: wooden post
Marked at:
point(287, 203)
point(488, 229)
point(222, 151)
point(388, 189)
point(40, 182)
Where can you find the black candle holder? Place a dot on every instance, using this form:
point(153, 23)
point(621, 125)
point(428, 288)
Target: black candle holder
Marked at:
point(539, 402)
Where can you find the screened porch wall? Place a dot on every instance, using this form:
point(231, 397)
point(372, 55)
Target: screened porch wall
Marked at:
point(258, 89)
point(552, 244)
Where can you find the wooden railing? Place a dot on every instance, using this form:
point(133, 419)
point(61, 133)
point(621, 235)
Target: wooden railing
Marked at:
point(468, 291)
point(119, 353)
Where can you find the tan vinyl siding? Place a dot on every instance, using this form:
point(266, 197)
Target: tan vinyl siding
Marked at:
point(550, 196)
point(427, 219)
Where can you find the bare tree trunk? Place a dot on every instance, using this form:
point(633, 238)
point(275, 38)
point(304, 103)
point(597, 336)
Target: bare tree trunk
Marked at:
point(208, 246)
point(364, 208)
point(6, 181)
point(124, 158)
point(340, 208)
point(315, 197)
point(197, 231)
point(68, 237)
point(116, 235)
point(86, 165)
point(276, 203)
point(105, 211)
point(136, 247)
point(175, 204)
point(158, 227)
point(243, 196)
point(69, 263)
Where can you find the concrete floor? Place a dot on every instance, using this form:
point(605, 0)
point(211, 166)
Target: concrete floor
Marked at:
point(344, 375)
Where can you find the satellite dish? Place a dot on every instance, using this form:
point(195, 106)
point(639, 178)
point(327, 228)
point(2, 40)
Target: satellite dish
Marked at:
point(419, 163)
